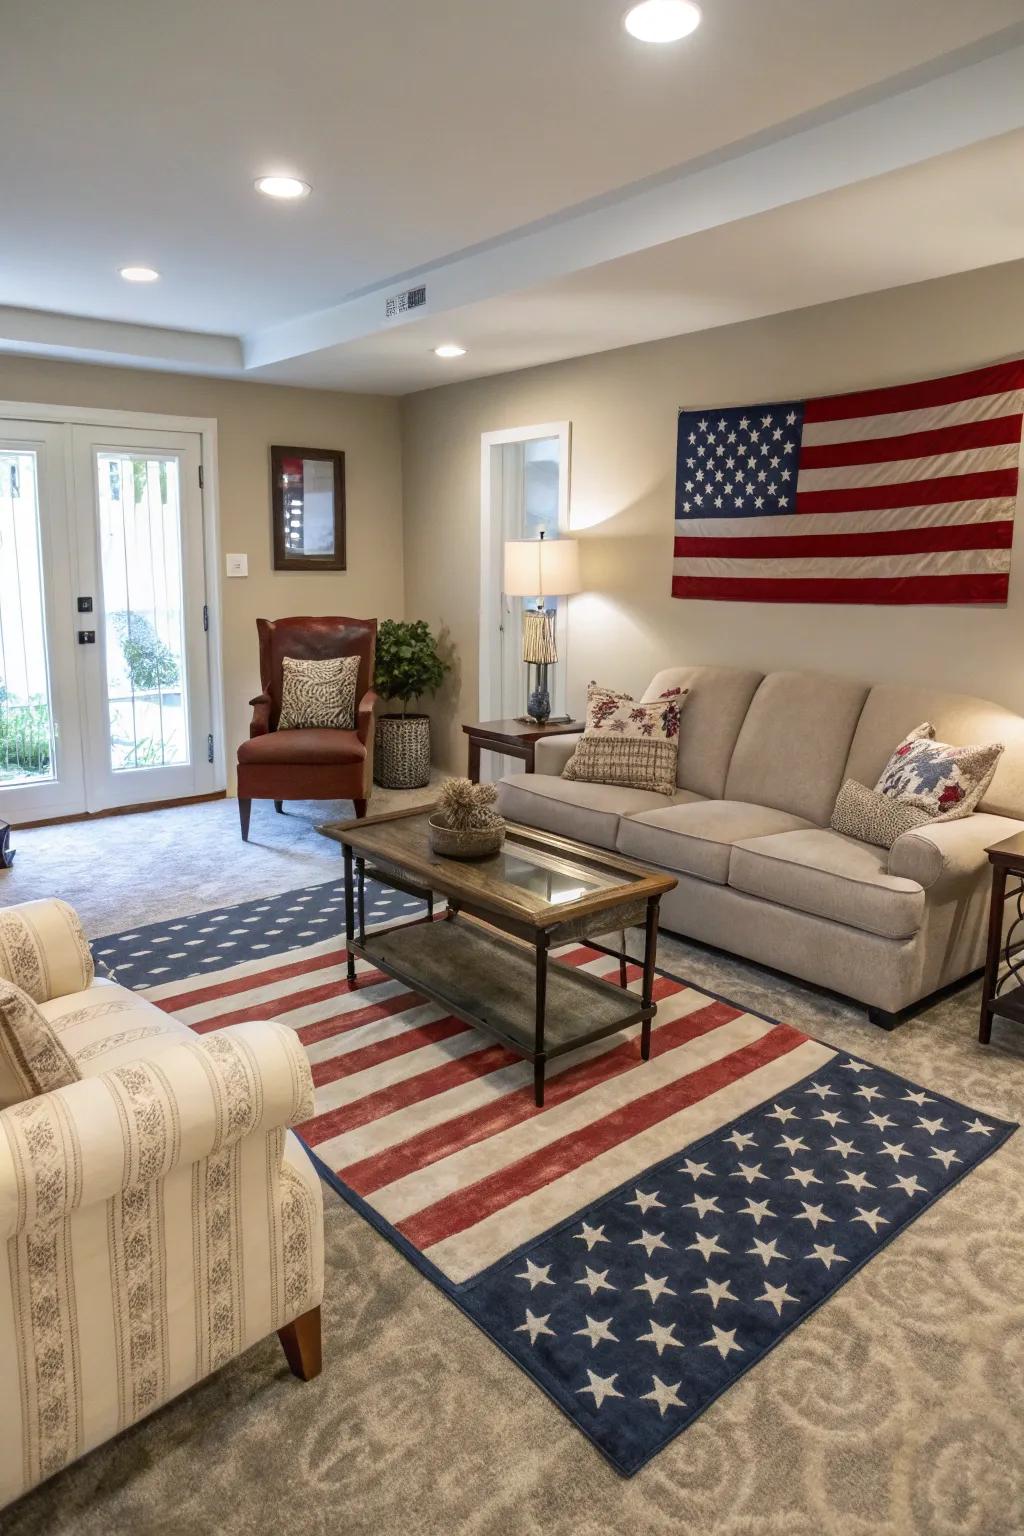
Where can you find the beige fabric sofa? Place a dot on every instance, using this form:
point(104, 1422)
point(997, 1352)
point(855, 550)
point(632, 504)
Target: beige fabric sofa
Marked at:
point(760, 873)
point(157, 1216)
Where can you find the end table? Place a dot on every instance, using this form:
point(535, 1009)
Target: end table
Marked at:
point(1003, 996)
point(512, 738)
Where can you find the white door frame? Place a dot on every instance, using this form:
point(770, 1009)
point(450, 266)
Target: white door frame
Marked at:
point(155, 421)
point(491, 551)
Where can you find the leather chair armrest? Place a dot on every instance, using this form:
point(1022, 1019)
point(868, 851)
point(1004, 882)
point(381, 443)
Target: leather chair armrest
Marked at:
point(950, 852)
point(260, 715)
point(364, 715)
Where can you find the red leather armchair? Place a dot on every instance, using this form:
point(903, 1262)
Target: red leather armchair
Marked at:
point(308, 764)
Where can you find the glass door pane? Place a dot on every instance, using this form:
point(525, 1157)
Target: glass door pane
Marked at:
point(140, 540)
point(28, 753)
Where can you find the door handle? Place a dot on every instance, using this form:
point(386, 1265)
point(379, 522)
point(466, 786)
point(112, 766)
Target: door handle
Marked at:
point(87, 637)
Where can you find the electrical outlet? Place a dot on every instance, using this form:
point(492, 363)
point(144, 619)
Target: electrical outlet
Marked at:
point(237, 565)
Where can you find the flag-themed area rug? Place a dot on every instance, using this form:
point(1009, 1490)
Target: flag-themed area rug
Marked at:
point(645, 1238)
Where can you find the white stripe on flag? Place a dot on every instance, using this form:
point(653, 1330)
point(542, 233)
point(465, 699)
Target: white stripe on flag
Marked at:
point(858, 429)
point(902, 471)
point(885, 520)
point(956, 562)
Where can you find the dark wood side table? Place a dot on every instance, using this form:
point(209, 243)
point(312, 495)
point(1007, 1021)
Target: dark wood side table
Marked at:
point(1003, 996)
point(513, 738)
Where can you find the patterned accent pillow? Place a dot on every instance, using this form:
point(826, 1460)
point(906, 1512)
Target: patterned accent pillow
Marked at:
point(635, 745)
point(937, 778)
point(318, 693)
point(32, 1059)
point(44, 950)
point(874, 818)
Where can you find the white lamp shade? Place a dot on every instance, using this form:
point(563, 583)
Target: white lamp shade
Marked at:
point(542, 567)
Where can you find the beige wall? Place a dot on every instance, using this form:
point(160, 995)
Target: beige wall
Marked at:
point(623, 407)
point(250, 417)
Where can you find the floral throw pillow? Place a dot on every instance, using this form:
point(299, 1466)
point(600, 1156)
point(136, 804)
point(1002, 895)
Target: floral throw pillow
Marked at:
point(318, 693)
point(937, 778)
point(628, 743)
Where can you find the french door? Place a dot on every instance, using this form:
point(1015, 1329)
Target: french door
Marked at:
point(104, 667)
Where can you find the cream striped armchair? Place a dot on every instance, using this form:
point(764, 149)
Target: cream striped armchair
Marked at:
point(157, 1214)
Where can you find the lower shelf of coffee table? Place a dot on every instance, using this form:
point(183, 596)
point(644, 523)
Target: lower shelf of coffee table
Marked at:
point(490, 982)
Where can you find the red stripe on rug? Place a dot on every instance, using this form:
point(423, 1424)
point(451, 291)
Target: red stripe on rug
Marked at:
point(471, 1205)
point(425, 1085)
point(207, 994)
point(386, 1050)
point(430, 1146)
point(341, 1023)
point(280, 1007)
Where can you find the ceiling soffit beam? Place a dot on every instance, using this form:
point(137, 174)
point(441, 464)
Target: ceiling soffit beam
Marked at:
point(965, 107)
point(117, 341)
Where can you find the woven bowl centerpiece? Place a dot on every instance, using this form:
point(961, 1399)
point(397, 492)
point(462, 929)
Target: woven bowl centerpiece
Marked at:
point(465, 825)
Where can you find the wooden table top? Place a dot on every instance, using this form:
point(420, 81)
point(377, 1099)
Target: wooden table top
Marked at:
point(1009, 851)
point(521, 730)
point(537, 878)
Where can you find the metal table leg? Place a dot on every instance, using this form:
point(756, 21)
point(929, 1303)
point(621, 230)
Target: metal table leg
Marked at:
point(540, 1059)
point(361, 891)
point(350, 920)
point(650, 955)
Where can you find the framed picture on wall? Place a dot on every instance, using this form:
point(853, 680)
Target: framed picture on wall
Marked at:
point(307, 494)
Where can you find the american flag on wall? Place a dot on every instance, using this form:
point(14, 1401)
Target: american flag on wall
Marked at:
point(897, 495)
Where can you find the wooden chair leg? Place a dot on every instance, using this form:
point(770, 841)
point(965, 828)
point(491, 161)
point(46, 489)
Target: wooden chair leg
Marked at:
point(360, 808)
point(279, 807)
point(300, 1341)
point(244, 812)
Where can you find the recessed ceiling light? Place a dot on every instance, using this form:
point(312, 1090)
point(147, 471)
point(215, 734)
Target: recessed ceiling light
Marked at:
point(662, 21)
point(288, 187)
point(449, 349)
point(139, 274)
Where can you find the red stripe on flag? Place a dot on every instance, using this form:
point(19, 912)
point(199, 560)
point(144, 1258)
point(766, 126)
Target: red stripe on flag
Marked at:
point(914, 445)
point(983, 485)
point(997, 380)
point(277, 1007)
point(385, 1050)
point(987, 587)
point(440, 1141)
point(472, 1205)
point(207, 994)
point(898, 541)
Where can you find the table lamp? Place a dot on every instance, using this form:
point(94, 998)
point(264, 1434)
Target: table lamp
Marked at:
point(541, 568)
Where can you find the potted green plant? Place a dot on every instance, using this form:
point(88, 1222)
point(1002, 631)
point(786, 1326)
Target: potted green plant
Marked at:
point(408, 666)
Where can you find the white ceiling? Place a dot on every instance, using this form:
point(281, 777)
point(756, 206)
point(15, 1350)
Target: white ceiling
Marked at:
point(561, 187)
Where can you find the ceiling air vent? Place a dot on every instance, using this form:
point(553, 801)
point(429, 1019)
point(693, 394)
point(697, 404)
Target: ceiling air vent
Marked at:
point(399, 303)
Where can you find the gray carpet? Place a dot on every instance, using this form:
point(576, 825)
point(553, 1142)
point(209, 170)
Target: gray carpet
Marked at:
point(893, 1411)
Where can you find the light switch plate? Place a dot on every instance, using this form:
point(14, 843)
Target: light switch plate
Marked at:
point(237, 565)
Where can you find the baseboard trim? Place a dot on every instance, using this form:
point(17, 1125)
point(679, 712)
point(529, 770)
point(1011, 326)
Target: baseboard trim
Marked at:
point(120, 810)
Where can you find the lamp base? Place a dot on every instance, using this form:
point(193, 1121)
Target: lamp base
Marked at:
point(538, 706)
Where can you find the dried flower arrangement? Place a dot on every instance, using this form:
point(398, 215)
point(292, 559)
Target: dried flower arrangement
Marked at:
point(467, 807)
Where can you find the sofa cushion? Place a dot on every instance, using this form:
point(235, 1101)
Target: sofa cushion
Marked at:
point(32, 1058)
point(831, 876)
point(716, 704)
point(106, 1025)
point(312, 746)
point(588, 812)
point(795, 740)
point(697, 838)
point(891, 711)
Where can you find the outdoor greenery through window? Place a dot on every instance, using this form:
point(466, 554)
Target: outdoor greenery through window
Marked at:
point(140, 545)
point(27, 751)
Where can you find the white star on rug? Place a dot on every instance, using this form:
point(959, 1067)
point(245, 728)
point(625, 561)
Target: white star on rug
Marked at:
point(716, 1291)
point(822, 1090)
point(654, 1287)
point(648, 1241)
point(776, 1296)
point(844, 1148)
point(741, 1139)
point(815, 1214)
point(596, 1280)
point(880, 1122)
point(919, 1097)
point(702, 1204)
point(827, 1255)
point(661, 1337)
point(778, 1113)
point(793, 1145)
point(590, 1236)
point(869, 1092)
point(832, 1117)
point(857, 1181)
point(749, 1171)
point(536, 1274)
point(724, 1340)
point(977, 1129)
point(895, 1150)
point(535, 1326)
point(758, 1209)
point(601, 1387)
point(696, 1170)
point(872, 1219)
point(802, 1176)
point(933, 1127)
point(908, 1182)
point(706, 1245)
point(945, 1158)
point(596, 1331)
point(646, 1202)
point(665, 1396)
point(767, 1250)
point(855, 1066)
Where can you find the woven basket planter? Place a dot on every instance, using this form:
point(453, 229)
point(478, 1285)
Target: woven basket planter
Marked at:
point(401, 751)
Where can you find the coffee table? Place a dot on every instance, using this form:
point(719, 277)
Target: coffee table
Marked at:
point(488, 960)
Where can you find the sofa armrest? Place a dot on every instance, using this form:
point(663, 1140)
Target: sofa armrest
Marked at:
point(949, 852)
point(260, 723)
point(90, 1140)
point(551, 753)
point(44, 950)
point(364, 715)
